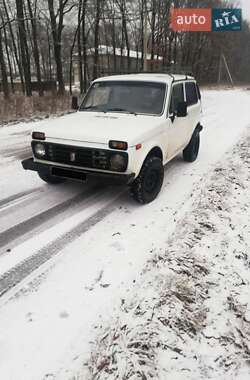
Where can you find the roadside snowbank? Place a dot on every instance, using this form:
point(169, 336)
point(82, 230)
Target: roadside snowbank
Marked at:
point(189, 316)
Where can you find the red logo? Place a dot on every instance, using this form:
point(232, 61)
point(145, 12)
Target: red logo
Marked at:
point(191, 19)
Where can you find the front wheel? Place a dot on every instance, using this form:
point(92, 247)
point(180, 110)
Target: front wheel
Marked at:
point(52, 180)
point(190, 153)
point(148, 184)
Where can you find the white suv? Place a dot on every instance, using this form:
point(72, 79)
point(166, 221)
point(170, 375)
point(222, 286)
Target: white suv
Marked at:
point(126, 129)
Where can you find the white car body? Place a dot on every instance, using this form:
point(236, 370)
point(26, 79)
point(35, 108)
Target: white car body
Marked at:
point(95, 129)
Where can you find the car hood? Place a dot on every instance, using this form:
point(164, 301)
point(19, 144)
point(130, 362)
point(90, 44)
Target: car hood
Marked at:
point(93, 127)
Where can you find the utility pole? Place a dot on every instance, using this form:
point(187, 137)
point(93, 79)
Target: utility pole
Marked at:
point(228, 71)
point(220, 67)
point(223, 60)
point(145, 40)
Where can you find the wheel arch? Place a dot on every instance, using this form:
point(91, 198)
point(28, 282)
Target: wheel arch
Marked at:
point(148, 184)
point(153, 151)
point(197, 129)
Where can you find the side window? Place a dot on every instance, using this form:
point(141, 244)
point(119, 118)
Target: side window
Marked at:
point(176, 97)
point(191, 93)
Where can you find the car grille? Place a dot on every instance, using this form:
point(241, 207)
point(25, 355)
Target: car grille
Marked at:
point(77, 156)
point(81, 157)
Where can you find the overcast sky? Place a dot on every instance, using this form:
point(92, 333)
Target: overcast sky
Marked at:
point(246, 8)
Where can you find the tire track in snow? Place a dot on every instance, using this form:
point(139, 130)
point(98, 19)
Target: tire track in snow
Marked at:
point(20, 153)
point(26, 267)
point(30, 224)
point(6, 201)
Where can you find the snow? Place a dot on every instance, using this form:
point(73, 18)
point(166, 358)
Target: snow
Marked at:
point(49, 323)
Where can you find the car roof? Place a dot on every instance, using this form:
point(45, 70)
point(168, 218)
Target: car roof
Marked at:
point(147, 77)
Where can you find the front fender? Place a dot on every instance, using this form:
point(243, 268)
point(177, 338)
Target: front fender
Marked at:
point(137, 157)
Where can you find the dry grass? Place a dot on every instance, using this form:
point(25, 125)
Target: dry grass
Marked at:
point(20, 107)
point(127, 349)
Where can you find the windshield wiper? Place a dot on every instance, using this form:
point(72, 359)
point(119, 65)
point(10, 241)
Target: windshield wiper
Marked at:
point(118, 109)
point(97, 108)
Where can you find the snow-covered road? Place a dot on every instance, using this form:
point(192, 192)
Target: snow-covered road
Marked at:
point(69, 254)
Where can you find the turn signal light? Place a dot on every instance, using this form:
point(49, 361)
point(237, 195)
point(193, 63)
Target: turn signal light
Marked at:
point(121, 145)
point(38, 136)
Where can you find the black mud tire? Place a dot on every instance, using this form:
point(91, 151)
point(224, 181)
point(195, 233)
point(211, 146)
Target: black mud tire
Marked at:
point(148, 184)
point(190, 153)
point(50, 179)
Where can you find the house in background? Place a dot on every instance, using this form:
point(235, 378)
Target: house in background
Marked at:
point(112, 61)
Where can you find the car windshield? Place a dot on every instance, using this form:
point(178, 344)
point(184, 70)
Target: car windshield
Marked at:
point(127, 97)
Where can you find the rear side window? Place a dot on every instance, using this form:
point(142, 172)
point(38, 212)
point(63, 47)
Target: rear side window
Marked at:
point(191, 93)
point(176, 97)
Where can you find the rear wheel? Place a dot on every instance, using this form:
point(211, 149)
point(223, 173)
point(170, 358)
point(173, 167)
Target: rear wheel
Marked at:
point(190, 153)
point(52, 180)
point(148, 184)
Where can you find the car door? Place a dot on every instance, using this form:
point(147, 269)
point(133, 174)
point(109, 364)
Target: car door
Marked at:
point(176, 126)
point(194, 107)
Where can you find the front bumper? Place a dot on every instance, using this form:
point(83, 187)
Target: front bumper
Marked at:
point(76, 174)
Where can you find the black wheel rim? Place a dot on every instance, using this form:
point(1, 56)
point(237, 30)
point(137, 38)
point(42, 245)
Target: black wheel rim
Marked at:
point(151, 181)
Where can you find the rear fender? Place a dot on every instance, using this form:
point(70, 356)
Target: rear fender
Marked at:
point(196, 131)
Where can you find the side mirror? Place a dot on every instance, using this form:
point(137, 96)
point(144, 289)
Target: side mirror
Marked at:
point(181, 109)
point(74, 103)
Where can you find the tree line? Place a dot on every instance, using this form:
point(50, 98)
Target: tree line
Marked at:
point(41, 41)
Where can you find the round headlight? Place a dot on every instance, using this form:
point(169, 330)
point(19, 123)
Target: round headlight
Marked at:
point(39, 150)
point(117, 163)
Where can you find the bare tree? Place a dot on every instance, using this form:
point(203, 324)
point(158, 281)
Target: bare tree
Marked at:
point(33, 22)
point(96, 38)
point(43, 38)
point(25, 59)
point(3, 69)
point(5, 14)
point(57, 20)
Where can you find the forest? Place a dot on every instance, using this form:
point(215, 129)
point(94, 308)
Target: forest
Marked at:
point(44, 41)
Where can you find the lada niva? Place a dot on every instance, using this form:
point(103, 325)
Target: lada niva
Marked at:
point(126, 129)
